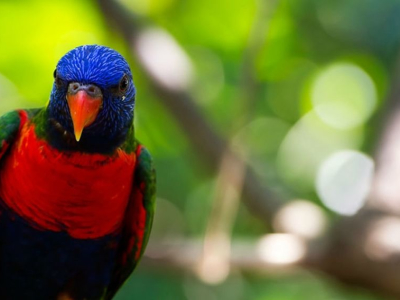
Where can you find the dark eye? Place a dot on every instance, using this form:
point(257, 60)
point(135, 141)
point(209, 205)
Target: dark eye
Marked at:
point(57, 78)
point(123, 84)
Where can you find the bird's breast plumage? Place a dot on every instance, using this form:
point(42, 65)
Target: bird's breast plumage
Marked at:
point(85, 195)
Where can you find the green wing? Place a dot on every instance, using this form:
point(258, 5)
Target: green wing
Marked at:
point(9, 126)
point(138, 221)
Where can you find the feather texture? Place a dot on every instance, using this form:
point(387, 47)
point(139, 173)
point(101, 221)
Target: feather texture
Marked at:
point(75, 217)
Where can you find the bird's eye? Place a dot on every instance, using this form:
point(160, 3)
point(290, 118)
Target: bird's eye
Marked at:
point(57, 78)
point(123, 84)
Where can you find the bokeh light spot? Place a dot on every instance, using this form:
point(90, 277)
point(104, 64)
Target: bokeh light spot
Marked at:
point(382, 241)
point(302, 218)
point(307, 144)
point(344, 95)
point(344, 180)
point(281, 248)
point(167, 62)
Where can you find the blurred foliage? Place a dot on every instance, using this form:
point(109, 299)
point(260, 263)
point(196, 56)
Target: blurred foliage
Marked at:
point(285, 136)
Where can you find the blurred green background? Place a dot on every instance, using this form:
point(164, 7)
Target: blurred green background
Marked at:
point(293, 84)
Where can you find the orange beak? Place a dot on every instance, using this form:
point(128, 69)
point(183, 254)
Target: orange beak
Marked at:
point(83, 109)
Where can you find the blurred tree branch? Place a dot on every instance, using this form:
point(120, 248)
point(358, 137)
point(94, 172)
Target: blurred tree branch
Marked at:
point(250, 86)
point(386, 190)
point(185, 255)
point(342, 253)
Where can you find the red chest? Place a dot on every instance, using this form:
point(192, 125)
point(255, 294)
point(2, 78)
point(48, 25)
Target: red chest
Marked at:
point(85, 195)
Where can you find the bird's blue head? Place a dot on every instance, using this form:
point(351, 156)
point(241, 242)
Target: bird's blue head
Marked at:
point(92, 100)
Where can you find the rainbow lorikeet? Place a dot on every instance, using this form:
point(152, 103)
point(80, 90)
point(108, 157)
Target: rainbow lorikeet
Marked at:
point(77, 189)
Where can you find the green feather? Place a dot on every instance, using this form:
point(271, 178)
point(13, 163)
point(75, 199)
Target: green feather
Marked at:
point(9, 124)
point(145, 172)
point(130, 143)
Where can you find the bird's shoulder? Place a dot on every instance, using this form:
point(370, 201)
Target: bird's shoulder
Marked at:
point(11, 124)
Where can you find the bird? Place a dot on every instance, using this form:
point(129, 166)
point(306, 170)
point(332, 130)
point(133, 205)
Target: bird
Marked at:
point(77, 189)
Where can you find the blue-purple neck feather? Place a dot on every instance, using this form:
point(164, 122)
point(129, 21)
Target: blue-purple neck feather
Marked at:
point(104, 67)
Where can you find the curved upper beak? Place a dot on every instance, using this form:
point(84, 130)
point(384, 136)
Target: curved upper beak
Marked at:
point(84, 101)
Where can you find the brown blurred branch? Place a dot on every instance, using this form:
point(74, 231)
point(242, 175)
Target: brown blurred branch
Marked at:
point(343, 253)
point(347, 262)
point(386, 190)
point(344, 259)
point(185, 254)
